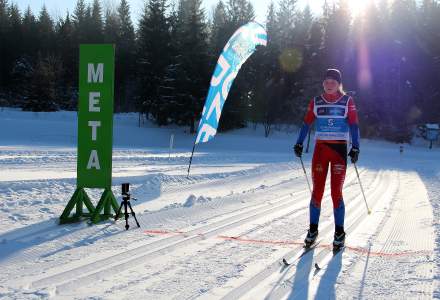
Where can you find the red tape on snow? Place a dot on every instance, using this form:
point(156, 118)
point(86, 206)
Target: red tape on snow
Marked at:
point(359, 250)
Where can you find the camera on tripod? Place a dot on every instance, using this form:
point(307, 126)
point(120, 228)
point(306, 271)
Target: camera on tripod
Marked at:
point(126, 189)
point(127, 205)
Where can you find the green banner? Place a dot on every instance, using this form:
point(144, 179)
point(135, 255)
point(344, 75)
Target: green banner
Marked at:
point(95, 116)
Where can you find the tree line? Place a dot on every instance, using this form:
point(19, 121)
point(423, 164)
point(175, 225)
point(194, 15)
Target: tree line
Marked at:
point(389, 56)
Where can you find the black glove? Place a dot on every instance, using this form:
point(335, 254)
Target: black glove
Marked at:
point(354, 154)
point(298, 148)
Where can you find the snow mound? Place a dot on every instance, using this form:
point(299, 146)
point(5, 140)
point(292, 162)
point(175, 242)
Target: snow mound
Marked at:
point(193, 200)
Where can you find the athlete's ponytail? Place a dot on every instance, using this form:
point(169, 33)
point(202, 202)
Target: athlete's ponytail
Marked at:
point(341, 89)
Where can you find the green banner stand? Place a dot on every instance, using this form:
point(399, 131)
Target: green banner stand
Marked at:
point(95, 134)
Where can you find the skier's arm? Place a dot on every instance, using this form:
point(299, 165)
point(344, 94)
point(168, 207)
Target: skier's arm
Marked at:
point(308, 120)
point(353, 123)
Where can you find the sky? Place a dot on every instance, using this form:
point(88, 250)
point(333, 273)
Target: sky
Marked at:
point(58, 8)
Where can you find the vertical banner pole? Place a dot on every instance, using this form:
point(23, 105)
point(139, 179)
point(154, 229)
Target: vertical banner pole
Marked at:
point(190, 159)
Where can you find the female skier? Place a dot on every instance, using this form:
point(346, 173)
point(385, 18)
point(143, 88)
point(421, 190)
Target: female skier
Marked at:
point(336, 120)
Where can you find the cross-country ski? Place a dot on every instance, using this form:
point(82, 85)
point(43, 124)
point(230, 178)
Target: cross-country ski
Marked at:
point(306, 249)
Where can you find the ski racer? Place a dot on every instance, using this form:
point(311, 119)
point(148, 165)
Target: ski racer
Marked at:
point(336, 120)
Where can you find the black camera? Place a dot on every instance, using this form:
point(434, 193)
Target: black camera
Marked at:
point(127, 206)
point(125, 189)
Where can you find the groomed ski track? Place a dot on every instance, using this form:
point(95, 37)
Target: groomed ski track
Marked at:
point(225, 245)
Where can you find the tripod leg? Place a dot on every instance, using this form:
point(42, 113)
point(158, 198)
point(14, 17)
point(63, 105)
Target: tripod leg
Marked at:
point(126, 215)
point(119, 212)
point(134, 215)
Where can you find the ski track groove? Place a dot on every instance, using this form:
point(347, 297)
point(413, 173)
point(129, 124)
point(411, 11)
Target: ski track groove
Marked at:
point(155, 218)
point(403, 220)
point(326, 233)
point(400, 217)
point(171, 241)
point(197, 185)
point(148, 185)
point(47, 227)
point(61, 277)
point(212, 249)
point(323, 256)
point(134, 261)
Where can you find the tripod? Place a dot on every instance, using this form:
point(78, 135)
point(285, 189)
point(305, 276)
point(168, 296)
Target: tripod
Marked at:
point(126, 203)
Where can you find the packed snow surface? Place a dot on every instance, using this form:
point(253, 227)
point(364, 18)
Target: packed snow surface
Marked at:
point(220, 233)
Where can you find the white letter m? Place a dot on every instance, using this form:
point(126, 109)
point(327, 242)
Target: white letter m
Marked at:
point(95, 75)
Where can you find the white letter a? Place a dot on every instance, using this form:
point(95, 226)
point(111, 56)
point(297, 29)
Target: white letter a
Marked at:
point(93, 161)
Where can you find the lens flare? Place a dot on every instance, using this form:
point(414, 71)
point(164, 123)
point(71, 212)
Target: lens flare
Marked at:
point(364, 71)
point(291, 60)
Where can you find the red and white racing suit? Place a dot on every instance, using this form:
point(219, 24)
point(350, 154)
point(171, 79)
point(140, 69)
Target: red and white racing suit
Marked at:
point(336, 119)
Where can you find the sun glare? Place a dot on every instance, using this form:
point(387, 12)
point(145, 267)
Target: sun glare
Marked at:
point(358, 6)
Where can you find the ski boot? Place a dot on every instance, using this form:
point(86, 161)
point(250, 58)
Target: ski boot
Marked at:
point(339, 239)
point(312, 234)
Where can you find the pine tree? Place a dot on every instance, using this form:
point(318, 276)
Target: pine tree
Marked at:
point(303, 26)
point(337, 25)
point(67, 51)
point(292, 38)
point(4, 15)
point(125, 58)
point(21, 76)
point(80, 22)
point(286, 19)
point(405, 50)
point(10, 32)
point(111, 26)
point(219, 31)
point(193, 61)
point(30, 34)
point(236, 107)
point(126, 30)
point(240, 12)
point(429, 40)
point(4, 26)
point(309, 39)
point(153, 56)
point(95, 24)
point(265, 103)
point(15, 29)
point(173, 81)
point(18, 61)
point(79, 19)
point(46, 32)
point(43, 96)
point(23, 66)
point(184, 86)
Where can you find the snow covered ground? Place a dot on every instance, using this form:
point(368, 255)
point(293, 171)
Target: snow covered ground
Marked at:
point(222, 232)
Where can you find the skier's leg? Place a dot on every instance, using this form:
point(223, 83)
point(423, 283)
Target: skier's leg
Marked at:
point(320, 164)
point(337, 176)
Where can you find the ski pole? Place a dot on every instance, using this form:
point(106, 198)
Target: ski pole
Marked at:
point(305, 173)
point(362, 188)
